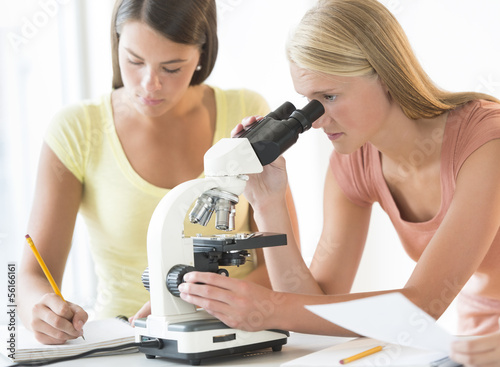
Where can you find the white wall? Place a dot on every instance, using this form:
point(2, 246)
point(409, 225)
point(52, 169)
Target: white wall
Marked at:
point(457, 43)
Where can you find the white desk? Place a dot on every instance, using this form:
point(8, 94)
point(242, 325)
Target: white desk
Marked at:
point(297, 346)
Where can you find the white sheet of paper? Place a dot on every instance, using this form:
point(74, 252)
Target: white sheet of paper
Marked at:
point(391, 355)
point(391, 318)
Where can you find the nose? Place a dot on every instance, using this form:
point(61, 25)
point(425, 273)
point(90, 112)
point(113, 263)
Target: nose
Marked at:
point(320, 122)
point(151, 81)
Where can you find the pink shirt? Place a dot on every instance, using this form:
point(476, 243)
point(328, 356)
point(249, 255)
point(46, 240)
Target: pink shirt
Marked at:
point(360, 176)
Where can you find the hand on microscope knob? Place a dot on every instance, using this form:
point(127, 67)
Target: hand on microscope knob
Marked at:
point(237, 303)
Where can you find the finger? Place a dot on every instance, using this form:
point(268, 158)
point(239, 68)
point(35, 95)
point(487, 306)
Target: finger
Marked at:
point(59, 314)
point(57, 305)
point(203, 297)
point(80, 317)
point(46, 334)
point(478, 345)
point(245, 123)
point(143, 312)
point(236, 129)
point(487, 359)
point(211, 279)
point(50, 328)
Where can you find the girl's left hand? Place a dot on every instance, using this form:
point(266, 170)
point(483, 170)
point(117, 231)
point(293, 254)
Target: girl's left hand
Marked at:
point(478, 352)
point(143, 312)
point(237, 303)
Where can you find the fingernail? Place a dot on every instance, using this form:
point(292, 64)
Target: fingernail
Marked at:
point(181, 287)
point(186, 277)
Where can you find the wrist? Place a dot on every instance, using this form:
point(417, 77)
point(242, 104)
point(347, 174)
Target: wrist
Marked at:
point(270, 214)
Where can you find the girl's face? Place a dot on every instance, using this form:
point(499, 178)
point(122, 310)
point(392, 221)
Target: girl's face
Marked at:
point(155, 71)
point(356, 108)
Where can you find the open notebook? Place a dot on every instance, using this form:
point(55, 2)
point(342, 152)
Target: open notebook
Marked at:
point(98, 334)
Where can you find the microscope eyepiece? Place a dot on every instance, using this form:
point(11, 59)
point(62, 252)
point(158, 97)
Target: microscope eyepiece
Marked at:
point(310, 113)
point(282, 112)
point(271, 136)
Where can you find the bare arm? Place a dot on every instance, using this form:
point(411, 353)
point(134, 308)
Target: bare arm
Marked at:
point(260, 274)
point(464, 237)
point(55, 206)
point(338, 252)
point(452, 256)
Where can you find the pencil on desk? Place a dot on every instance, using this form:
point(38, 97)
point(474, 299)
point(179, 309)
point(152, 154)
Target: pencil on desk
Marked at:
point(361, 355)
point(45, 269)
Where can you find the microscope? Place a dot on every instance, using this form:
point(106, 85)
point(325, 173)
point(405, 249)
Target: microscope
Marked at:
point(184, 331)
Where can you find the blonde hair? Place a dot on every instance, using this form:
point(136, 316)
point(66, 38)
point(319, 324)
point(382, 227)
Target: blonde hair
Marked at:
point(362, 38)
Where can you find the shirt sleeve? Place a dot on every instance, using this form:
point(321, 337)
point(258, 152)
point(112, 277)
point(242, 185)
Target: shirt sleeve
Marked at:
point(67, 136)
point(351, 175)
point(480, 126)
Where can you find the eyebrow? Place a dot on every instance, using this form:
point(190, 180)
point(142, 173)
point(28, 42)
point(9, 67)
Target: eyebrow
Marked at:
point(326, 91)
point(174, 61)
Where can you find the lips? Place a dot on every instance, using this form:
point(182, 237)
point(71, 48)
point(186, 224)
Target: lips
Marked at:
point(150, 101)
point(334, 136)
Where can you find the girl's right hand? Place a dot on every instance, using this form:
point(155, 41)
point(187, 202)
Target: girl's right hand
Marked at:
point(55, 321)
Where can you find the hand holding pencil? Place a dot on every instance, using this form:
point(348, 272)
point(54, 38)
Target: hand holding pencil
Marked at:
point(54, 319)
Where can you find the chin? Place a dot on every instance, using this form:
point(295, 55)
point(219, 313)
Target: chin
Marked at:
point(151, 111)
point(342, 149)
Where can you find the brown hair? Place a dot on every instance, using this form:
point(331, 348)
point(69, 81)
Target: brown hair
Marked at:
point(362, 38)
point(191, 22)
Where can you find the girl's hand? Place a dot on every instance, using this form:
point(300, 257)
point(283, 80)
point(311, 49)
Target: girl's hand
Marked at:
point(478, 352)
point(143, 312)
point(268, 186)
point(237, 303)
point(55, 321)
point(245, 123)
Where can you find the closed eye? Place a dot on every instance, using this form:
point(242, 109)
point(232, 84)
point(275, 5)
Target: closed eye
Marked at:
point(171, 71)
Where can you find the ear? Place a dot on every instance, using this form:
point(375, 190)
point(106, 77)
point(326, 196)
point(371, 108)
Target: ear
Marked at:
point(384, 88)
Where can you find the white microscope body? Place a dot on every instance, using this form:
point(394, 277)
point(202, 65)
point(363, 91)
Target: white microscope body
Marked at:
point(186, 332)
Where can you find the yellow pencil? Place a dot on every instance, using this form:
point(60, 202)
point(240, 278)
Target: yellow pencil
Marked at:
point(45, 269)
point(361, 355)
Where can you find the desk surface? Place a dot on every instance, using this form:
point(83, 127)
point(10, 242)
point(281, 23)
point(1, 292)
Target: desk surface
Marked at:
point(298, 345)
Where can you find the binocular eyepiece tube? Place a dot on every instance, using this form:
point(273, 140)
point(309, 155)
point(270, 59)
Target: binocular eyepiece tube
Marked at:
point(269, 138)
point(280, 129)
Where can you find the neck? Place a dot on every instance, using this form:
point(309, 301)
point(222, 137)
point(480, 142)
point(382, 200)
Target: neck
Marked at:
point(415, 142)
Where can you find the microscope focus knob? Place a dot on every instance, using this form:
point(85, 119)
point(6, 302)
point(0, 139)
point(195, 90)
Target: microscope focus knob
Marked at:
point(175, 278)
point(145, 278)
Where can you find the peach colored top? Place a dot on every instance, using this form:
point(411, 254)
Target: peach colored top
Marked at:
point(360, 176)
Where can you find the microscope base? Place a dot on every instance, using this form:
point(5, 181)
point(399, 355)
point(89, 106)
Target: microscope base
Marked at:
point(195, 340)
